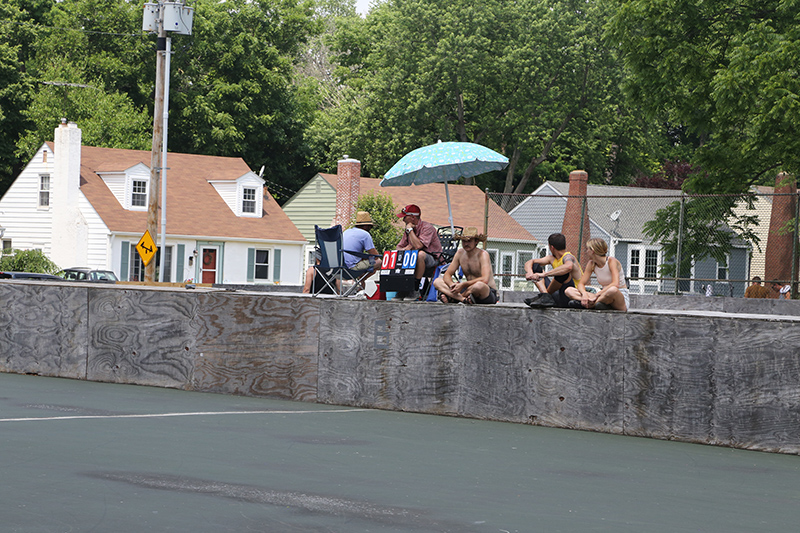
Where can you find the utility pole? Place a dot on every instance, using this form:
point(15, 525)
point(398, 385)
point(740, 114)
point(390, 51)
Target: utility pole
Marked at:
point(158, 139)
point(161, 18)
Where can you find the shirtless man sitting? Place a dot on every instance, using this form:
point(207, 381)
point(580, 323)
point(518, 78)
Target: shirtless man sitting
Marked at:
point(474, 262)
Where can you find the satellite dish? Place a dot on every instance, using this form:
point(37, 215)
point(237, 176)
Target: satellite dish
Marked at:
point(615, 215)
point(261, 172)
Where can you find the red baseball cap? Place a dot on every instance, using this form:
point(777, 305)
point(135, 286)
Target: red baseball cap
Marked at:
point(410, 209)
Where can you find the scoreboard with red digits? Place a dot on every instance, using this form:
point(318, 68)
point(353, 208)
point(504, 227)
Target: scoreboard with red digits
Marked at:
point(397, 270)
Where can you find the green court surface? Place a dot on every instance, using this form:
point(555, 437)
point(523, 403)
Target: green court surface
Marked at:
point(78, 457)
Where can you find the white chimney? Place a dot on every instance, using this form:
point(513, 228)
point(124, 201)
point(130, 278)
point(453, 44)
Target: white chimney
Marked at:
point(69, 231)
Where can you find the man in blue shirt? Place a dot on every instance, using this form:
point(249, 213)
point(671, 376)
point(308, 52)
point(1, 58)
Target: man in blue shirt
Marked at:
point(358, 239)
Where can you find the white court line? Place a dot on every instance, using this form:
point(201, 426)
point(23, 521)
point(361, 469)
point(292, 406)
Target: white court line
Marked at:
point(165, 415)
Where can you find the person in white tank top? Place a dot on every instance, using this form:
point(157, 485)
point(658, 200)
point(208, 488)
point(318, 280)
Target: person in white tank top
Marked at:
point(610, 275)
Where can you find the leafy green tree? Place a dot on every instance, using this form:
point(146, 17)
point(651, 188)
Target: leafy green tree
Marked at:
point(727, 72)
point(97, 42)
point(106, 118)
point(27, 261)
point(233, 90)
point(703, 226)
point(385, 233)
point(530, 79)
point(18, 32)
point(15, 93)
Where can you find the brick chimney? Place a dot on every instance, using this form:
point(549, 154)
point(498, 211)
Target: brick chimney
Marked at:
point(69, 232)
point(348, 187)
point(779, 247)
point(571, 227)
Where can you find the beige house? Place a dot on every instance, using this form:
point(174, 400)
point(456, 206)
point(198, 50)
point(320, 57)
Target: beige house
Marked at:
point(762, 206)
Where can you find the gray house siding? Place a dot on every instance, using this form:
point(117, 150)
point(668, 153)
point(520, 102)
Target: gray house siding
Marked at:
point(543, 214)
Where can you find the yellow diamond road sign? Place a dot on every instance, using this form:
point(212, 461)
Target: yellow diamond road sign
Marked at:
point(146, 248)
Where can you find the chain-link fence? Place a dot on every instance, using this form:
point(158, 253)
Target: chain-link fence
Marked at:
point(667, 242)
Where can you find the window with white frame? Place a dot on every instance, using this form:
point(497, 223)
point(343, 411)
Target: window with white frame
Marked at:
point(262, 265)
point(722, 267)
point(6, 246)
point(643, 262)
point(506, 268)
point(651, 264)
point(44, 190)
point(249, 200)
point(523, 256)
point(136, 267)
point(493, 259)
point(139, 193)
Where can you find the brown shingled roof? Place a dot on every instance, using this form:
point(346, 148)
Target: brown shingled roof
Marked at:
point(467, 202)
point(194, 208)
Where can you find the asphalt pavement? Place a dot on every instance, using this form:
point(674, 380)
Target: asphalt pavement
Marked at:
point(77, 456)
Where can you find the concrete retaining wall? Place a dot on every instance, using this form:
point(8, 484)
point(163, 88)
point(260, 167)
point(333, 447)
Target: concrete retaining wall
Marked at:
point(707, 377)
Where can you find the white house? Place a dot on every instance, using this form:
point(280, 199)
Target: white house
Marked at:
point(87, 206)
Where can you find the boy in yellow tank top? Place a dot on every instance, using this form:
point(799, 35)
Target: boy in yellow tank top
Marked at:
point(565, 271)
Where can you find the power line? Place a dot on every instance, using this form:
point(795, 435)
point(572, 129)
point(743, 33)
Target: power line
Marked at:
point(93, 32)
point(285, 190)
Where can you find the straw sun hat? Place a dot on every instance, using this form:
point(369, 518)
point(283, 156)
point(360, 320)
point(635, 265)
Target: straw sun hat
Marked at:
point(364, 219)
point(471, 233)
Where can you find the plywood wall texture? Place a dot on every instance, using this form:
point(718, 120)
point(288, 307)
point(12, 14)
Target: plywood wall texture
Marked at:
point(257, 345)
point(43, 329)
point(695, 376)
point(510, 364)
point(724, 381)
point(142, 336)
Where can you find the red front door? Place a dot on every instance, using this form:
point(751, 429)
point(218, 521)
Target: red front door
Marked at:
point(208, 272)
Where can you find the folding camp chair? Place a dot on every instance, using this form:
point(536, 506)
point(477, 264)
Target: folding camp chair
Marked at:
point(332, 266)
point(449, 243)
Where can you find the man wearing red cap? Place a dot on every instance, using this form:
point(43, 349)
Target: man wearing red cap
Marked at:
point(422, 236)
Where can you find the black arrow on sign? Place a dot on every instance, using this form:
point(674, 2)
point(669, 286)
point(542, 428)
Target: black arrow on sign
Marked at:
point(146, 249)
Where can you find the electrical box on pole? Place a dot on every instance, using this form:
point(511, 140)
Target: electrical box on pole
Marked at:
point(150, 19)
point(175, 17)
point(178, 18)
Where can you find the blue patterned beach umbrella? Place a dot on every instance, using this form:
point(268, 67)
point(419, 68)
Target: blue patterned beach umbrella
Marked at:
point(443, 162)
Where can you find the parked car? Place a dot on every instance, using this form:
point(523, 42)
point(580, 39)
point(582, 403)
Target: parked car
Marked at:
point(28, 275)
point(88, 274)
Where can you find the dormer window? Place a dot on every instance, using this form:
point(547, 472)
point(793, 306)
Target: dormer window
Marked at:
point(249, 200)
point(139, 193)
point(244, 195)
point(130, 186)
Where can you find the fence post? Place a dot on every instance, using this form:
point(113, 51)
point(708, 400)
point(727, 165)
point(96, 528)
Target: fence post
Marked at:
point(794, 244)
point(679, 250)
point(580, 231)
point(485, 215)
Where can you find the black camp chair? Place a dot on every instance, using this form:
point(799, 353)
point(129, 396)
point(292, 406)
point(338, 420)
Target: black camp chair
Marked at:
point(332, 266)
point(449, 243)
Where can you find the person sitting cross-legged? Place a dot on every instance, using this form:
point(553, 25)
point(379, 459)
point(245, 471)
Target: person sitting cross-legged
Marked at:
point(609, 274)
point(565, 272)
point(474, 262)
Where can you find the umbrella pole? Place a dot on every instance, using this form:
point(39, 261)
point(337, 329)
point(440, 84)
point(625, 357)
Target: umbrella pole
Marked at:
point(449, 210)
